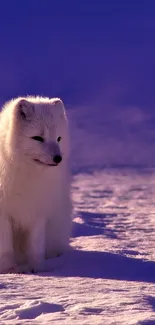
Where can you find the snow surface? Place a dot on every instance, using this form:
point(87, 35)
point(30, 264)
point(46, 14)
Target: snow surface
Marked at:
point(108, 277)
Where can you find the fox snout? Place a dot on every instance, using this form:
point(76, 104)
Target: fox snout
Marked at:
point(55, 153)
point(51, 155)
point(57, 159)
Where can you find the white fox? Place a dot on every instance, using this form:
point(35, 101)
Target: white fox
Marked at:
point(35, 201)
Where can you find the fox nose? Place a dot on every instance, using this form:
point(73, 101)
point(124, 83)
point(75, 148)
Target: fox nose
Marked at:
point(57, 159)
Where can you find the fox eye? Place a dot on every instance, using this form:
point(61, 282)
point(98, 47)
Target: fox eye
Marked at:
point(37, 138)
point(58, 139)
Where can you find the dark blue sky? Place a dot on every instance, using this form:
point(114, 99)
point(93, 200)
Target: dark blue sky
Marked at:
point(75, 49)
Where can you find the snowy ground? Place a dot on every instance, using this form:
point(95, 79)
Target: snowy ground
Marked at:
point(109, 276)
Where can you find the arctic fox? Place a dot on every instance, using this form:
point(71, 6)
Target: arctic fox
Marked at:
point(35, 202)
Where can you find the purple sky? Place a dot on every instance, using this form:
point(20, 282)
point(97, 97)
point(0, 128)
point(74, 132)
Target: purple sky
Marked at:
point(74, 49)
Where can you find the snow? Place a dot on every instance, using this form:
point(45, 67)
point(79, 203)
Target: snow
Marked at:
point(108, 276)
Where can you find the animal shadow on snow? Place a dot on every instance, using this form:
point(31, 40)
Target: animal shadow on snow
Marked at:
point(98, 264)
point(105, 265)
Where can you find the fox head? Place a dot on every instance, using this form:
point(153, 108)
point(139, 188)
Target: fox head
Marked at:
point(37, 130)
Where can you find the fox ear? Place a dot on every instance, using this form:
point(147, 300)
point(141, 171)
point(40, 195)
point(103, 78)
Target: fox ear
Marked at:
point(25, 109)
point(59, 105)
point(56, 101)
